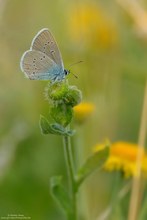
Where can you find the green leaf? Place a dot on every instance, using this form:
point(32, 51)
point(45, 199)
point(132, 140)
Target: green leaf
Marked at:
point(61, 195)
point(93, 162)
point(143, 209)
point(58, 129)
point(45, 126)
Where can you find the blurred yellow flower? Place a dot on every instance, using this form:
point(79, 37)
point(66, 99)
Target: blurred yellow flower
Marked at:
point(83, 111)
point(90, 26)
point(123, 158)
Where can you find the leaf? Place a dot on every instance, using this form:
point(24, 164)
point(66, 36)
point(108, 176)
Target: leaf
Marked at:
point(45, 126)
point(143, 209)
point(60, 194)
point(61, 130)
point(58, 129)
point(95, 161)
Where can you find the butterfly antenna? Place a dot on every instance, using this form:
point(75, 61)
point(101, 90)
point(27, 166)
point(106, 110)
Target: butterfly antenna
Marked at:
point(74, 75)
point(75, 63)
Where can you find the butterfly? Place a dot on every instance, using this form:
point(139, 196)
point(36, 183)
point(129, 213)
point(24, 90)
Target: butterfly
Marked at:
point(43, 61)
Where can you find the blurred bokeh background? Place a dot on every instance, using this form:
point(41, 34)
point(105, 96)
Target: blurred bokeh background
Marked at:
point(112, 77)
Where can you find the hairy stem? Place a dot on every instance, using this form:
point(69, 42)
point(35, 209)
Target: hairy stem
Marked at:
point(71, 177)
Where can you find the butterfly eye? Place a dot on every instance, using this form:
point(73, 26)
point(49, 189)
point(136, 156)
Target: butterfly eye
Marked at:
point(66, 72)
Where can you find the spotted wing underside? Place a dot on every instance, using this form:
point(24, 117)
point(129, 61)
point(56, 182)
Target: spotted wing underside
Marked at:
point(45, 42)
point(38, 66)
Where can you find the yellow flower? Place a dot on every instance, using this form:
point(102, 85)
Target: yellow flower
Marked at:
point(90, 26)
point(83, 111)
point(123, 158)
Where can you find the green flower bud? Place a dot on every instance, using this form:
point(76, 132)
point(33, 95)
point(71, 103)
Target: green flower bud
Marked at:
point(73, 97)
point(61, 113)
point(57, 91)
point(64, 93)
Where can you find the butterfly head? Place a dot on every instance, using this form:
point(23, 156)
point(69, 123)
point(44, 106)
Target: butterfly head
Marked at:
point(66, 72)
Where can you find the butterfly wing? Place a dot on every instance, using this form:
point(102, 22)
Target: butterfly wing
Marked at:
point(38, 66)
point(45, 42)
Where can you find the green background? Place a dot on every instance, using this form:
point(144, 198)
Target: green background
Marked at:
point(112, 77)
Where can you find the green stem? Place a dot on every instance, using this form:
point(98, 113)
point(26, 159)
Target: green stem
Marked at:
point(71, 176)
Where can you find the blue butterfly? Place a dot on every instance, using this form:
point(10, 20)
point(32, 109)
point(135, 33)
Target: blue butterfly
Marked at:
point(43, 61)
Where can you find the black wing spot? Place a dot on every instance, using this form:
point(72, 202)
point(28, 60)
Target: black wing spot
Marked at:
point(43, 56)
point(52, 51)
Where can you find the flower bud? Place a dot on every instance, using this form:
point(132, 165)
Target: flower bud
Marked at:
point(73, 97)
point(61, 113)
point(57, 91)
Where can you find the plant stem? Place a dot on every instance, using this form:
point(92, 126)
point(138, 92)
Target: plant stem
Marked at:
point(71, 176)
point(136, 186)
